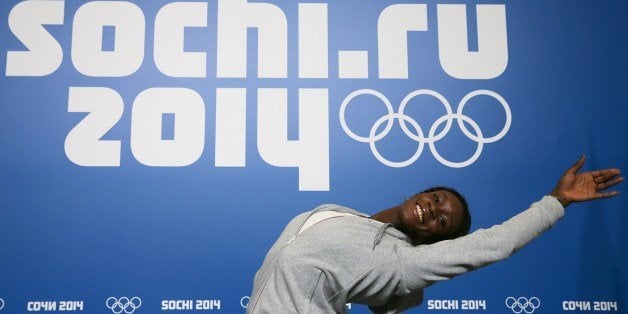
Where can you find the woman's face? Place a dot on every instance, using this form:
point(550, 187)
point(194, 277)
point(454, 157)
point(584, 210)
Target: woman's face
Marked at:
point(432, 216)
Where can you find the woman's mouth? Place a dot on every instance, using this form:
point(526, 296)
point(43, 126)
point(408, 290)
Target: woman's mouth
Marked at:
point(419, 212)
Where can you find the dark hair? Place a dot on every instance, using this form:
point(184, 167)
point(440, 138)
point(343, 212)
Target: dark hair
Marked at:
point(465, 224)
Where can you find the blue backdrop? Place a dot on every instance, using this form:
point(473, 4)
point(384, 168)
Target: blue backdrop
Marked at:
point(153, 150)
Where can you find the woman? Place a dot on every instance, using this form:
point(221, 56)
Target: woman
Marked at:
point(334, 255)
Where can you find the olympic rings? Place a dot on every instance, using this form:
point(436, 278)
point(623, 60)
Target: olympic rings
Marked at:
point(522, 304)
point(418, 135)
point(343, 122)
point(1, 304)
point(376, 152)
point(123, 304)
point(248, 299)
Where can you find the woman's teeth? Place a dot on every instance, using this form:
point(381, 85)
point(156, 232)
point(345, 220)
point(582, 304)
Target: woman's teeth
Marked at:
point(420, 213)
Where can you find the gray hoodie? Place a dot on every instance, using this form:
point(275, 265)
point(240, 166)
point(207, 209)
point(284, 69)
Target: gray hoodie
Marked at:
point(359, 260)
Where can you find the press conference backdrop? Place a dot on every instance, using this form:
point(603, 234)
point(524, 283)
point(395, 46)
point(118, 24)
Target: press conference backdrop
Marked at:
point(152, 151)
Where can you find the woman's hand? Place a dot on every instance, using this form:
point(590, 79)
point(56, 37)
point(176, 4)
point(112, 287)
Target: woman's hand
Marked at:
point(580, 187)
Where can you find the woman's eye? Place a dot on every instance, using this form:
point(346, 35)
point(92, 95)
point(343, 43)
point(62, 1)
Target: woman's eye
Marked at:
point(442, 221)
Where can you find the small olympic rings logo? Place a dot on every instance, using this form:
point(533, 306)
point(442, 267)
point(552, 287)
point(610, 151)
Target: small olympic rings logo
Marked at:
point(244, 302)
point(523, 304)
point(418, 135)
point(123, 304)
point(1, 304)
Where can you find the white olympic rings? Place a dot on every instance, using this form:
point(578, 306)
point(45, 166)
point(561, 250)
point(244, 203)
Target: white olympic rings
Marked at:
point(1, 304)
point(522, 304)
point(123, 304)
point(248, 299)
point(418, 135)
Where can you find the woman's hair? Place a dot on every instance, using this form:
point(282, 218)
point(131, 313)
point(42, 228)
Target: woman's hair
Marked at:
point(465, 225)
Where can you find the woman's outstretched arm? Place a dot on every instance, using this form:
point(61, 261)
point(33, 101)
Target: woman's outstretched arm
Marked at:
point(426, 264)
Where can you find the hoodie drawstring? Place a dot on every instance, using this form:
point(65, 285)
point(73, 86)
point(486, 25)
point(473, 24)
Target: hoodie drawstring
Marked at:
point(380, 234)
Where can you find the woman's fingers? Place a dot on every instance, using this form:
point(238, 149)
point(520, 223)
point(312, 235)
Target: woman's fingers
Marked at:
point(577, 166)
point(606, 194)
point(605, 172)
point(606, 178)
point(609, 183)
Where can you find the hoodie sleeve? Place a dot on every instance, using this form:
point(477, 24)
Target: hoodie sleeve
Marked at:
point(399, 303)
point(426, 264)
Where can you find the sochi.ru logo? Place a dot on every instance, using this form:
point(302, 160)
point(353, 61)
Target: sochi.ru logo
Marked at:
point(123, 304)
point(522, 304)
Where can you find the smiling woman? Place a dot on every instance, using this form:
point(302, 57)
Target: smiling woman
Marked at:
point(436, 214)
point(334, 255)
